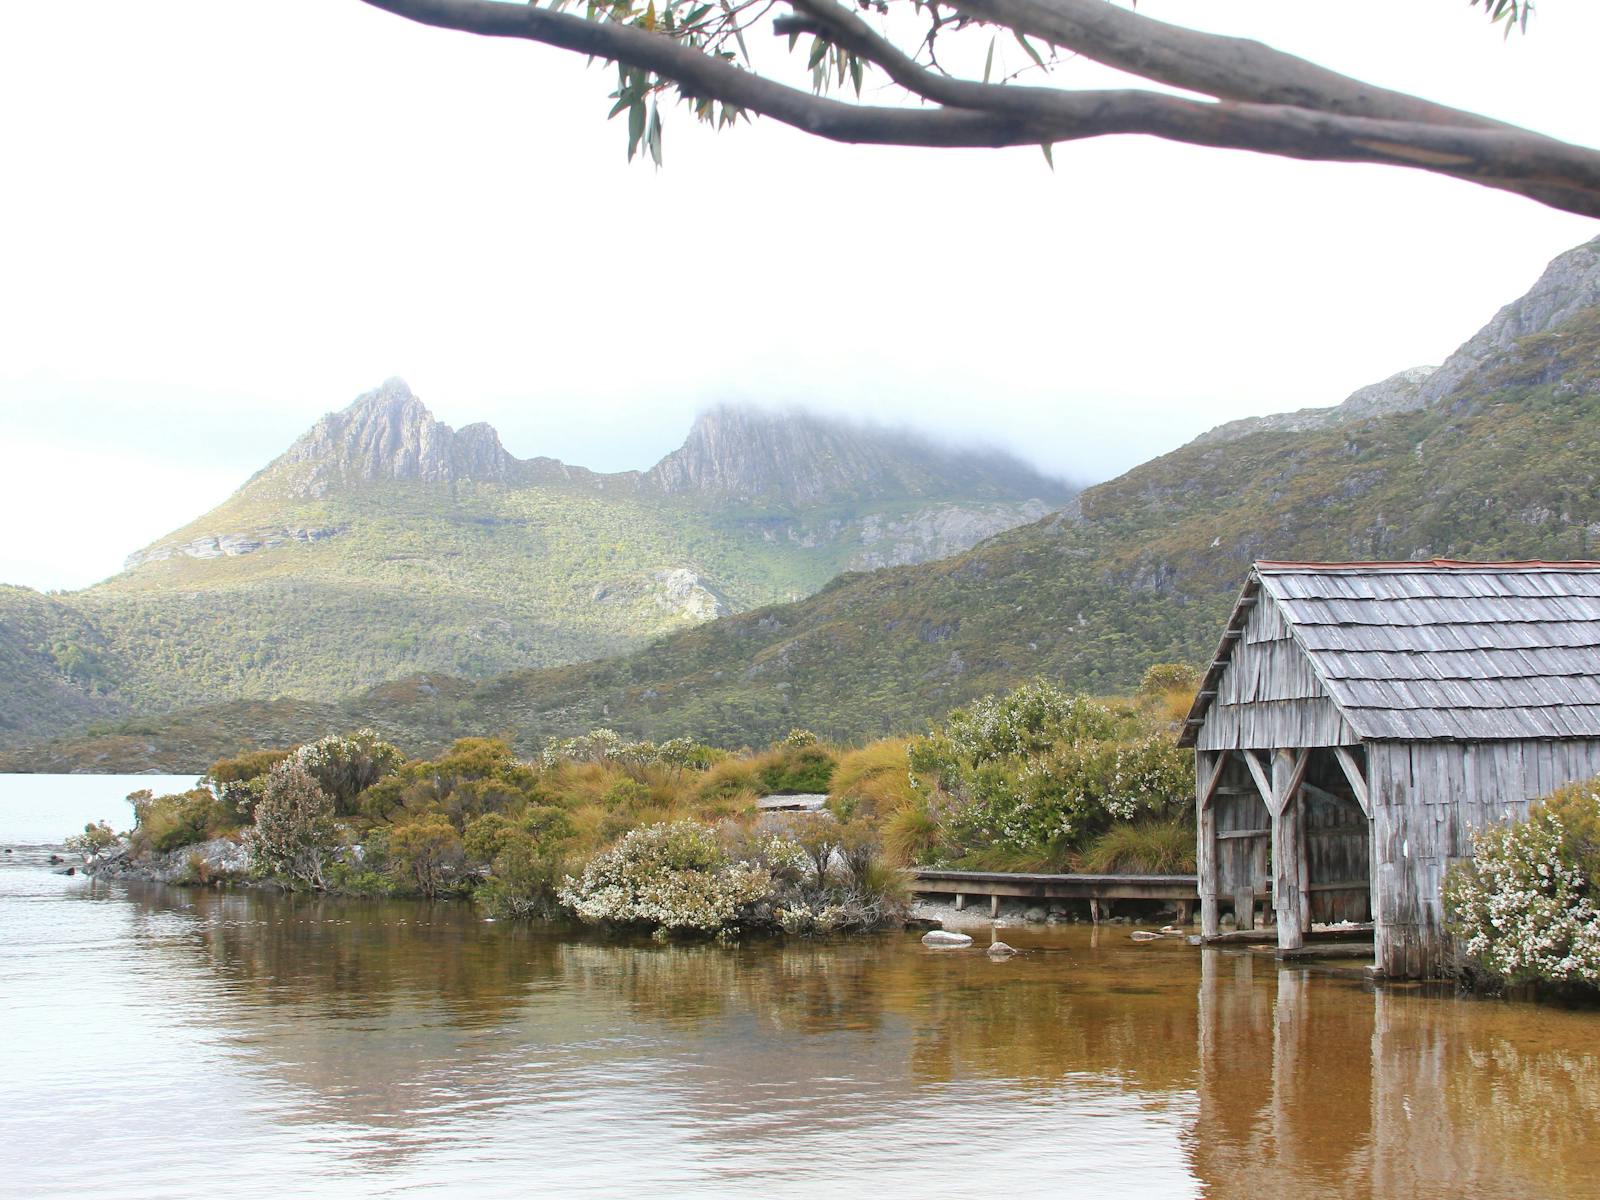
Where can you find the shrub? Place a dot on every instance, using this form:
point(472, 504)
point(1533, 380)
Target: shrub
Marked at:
point(344, 766)
point(730, 779)
point(796, 769)
point(96, 836)
point(528, 865)
point(163, 823)
point(1526, 905)
point(872, 781)
point(1160, 678)
point(912, 834)
point(669, 876)
point(426, 855)
point(485, 836)
point(476, 775)
point(238, 781)
point(608, 746)
point(1029, 776)
point(294, 836)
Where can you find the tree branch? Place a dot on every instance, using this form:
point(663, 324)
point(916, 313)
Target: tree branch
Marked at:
point(1228, 68)
point(978, 114)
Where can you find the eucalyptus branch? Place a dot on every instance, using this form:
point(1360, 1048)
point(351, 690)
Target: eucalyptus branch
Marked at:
point(1265, 101)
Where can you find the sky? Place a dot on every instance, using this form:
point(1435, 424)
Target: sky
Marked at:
point(223, 219)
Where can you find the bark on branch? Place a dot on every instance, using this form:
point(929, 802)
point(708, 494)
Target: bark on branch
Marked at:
point(1266, 102)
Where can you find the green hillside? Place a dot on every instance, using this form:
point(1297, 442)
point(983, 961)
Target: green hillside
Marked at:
point(1491, 456)
point(384, 543)
point(1508, 467)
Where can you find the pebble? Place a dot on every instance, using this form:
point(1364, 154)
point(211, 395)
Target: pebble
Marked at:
point(943, 938)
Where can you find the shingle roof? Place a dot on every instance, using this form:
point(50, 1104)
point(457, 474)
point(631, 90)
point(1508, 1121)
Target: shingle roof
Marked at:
point(1444, 650)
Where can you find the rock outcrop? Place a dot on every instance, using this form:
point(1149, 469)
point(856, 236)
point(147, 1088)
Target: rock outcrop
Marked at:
point(229, 545)
point(386, 434)
point(1569, 286)
point(796, 459)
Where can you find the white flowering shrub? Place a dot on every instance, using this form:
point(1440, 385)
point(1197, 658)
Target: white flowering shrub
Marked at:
point(673, 877)
point(1524, 907)
point(345, 765)
point(609, 746)
point(1038, 772)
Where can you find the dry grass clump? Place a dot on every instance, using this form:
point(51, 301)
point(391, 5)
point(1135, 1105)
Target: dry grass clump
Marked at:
point(1145, 848)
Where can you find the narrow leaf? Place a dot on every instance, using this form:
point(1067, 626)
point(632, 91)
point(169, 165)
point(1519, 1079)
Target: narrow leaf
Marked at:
point(1028, 46)
point(988, 62)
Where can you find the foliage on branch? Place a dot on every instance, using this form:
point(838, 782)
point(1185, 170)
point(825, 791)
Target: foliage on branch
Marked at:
point(1272, 102)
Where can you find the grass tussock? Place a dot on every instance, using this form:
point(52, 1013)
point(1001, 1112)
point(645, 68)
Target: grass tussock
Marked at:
point(1145, 848)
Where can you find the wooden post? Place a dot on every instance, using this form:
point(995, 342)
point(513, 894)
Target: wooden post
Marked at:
point(1287, 884)
point(1297, 803)
point(1094, 910)
point(961, 901)
point(1207, 771)
point(994, 907)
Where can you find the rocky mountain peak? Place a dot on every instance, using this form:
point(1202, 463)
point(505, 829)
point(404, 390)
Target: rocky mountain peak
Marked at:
point(798, 458)
point(1569, 286)
point(388, 433)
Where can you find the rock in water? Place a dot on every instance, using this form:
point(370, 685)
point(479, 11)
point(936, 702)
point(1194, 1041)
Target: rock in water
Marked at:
point(1144, 935)
point(944, 939)
point(999, 950)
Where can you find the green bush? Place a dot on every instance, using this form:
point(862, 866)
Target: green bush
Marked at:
point(528, 866)
point(806, 768)
point(344, 766)
point(1035, 775)
point(96, 836)
point(164, 823)
point(1526, 906)
point(1160, 678)
point(293, 837)
point(426, 856)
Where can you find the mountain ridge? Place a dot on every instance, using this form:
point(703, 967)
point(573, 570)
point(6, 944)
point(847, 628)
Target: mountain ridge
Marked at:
point(1504, 464)
point(382, 542)
point(1568, 286)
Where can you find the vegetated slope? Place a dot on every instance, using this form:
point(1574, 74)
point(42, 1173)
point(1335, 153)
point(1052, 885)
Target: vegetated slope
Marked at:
point(384, 542)
point(1141, 569)
point(58, 672)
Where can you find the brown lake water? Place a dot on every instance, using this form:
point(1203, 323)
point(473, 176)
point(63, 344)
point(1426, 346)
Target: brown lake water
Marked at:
point(164, 1043)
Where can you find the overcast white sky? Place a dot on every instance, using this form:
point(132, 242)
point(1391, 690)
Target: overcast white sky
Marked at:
point(222, 219)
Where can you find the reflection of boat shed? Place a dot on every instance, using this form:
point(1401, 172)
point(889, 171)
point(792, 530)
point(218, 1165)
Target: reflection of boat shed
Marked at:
point(1360, 720)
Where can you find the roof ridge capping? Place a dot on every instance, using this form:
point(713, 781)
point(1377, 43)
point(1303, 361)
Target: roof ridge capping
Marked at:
point(1269, 566)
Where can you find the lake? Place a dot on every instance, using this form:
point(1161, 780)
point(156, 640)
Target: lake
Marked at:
point(167, 1042)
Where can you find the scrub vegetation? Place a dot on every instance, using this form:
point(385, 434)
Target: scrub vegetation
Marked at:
point(1143, 570)
point(669, 837)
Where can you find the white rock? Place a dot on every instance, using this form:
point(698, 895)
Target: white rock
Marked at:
point(944, 938)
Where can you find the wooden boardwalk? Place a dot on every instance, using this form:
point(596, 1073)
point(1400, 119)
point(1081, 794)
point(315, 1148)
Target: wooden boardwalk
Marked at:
point(1183, 890)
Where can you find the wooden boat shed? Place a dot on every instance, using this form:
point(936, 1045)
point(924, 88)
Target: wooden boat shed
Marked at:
point(1361, 720)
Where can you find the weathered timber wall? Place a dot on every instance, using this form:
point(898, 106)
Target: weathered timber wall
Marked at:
point(1243, 831)
point(1338, 840)
point(1428, 798)
point(1268, 696)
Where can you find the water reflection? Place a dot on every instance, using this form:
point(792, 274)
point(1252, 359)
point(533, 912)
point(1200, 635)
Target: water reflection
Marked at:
point(1314, 1086)
point(407, 1047)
